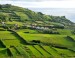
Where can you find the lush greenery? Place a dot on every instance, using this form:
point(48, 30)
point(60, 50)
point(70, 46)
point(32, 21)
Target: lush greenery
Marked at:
point(28, 34)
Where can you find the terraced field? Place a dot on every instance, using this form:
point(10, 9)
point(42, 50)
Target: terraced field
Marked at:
point(22, 15)
point(49, 39)
point(28, 34)
point(73, 37)
point(65, 53)
point(7, 35)
point(52, 51)
point(35, 51)
point(49, 46)
point(65, 32)
point(12, 23)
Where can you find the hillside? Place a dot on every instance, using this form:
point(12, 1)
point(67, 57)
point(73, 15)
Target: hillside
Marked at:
point(14, 13)
point(28, 34)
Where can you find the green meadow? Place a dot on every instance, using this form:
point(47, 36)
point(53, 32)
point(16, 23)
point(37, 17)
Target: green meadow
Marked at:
point(28, 34)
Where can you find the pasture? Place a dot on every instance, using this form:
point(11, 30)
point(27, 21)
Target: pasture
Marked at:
point(50, 46)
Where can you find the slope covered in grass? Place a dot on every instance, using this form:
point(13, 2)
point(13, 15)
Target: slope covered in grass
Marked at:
point(34, 51)
point(14, 13)
point(46, 38)
point(20, 36)
point(7, 35)
point(3, 52)
point(65, 52)
point(53, 52)
point(65, 32)
point(45, 54)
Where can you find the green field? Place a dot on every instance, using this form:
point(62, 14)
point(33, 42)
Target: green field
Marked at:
point(7, 35)
point(13, 22)
point(65, 32)
point(34, 51)
point(46, 38)
point(28, 34)
point(66, 53)
point(16, 49)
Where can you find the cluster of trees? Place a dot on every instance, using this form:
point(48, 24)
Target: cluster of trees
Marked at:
point(5, 6)
point(3, 17)
point(49, 31)
point(73, 31)
point(58, 26)
point(45, 31)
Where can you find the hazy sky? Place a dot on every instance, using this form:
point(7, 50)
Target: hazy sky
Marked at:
point(37, 0)
point(50, 7)
point(68, 12)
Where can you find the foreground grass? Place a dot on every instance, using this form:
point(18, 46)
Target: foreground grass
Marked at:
point(10, 40)
point(65, 32)
point(7, 35)
point(46, 38)
point(65, 52)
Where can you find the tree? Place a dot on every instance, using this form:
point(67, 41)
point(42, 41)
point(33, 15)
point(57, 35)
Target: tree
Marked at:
point(0, 6)
point(7, 5)
point(3, 17)
point(40, 13)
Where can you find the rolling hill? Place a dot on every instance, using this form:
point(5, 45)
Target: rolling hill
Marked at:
point(14, 13)
point(28, 34)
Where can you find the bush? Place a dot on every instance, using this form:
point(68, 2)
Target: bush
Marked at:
point(1, 29)
point(73, 32)
point(50, 32)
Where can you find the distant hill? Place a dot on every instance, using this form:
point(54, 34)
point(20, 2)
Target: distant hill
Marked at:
point(14, 13)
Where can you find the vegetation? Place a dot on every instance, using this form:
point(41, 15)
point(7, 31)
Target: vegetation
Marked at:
point(28, 34)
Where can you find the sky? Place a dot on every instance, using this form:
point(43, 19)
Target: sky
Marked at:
point(50, 7)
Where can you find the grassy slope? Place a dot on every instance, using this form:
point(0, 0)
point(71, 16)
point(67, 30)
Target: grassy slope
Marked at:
point(65, 52)
point(3, 52)
point(22, 15)
point(46, 38)
point(9, 43)
point(45, 54)
point(52, 51)
point(65, 32)
point(73, 37)
point(14, 22)
point(7, 35)
point(34, 51)
point(9, 39)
